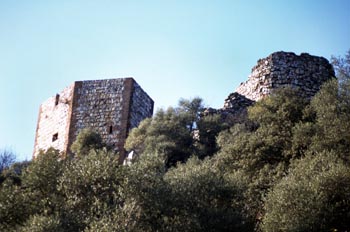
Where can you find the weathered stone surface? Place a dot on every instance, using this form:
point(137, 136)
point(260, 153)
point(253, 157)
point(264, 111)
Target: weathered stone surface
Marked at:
point(111, 107)
point(278, 70)
point(54, 119)
point(282, 69)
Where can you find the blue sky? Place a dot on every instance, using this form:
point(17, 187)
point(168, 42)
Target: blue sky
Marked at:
point(173, 49)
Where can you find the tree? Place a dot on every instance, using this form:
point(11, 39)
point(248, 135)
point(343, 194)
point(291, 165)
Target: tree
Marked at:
point(190, 111)
point(189, 197)
point(41, 223)
point(86, 140)
point(328, 127)
point(147, 199)
point(208, 128)
point(260, 150)
point(169, 132)
point(342, 66)
point(205, 199)
point(276, 116)
point(7, 157)
point(35, 194)
point(270, 142)
point(40, 182)
point(137, 137)
point(57, 193)
point(314, 196)
point(89, 186)
point(14, 207)
point(13, 174)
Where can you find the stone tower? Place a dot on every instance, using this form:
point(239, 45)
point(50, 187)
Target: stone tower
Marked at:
point(111, 107)
point(280, 69)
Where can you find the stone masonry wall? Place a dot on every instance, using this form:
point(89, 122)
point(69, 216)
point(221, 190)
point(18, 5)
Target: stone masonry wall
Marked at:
point(98, 105)
point(110, 107)
point(53, 121)
point(281, 69)
point(141, 106)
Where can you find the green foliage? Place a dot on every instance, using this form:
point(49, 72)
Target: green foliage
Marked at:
point(177, 133)
point(137, 137)
point(276, 115)
point(326, 124)
point(315, 196)
point(209, 128)
point(342, 66)
point(107, 223)
point(170, 136)
point(332, 109)
point(90, 187)
point(7, 158)
point(169, 132)
point(270, 143)
point(303, 133)
point(40, 182)
point(287, 129)
point(86, 140)
point(285, 168)
point(146, 196)
point(205, 199)
point(190, 197)
point(41, 175)
point(283, 108)
point(61, 195)
point(40, 223)
point(37, 191)
point(13, 207)
point(13, 174)
point(189, 111)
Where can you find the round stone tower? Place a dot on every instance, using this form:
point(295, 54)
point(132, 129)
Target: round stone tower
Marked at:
point(281, 69)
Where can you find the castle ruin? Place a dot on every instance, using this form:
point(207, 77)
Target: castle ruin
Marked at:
point(111, 107)
point(304, 72)
point(282, 69)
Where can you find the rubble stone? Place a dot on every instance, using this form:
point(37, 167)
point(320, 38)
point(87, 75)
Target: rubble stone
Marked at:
point(280, 69)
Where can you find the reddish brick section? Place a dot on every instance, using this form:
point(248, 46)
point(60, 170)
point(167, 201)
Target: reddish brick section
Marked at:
point(125, 113)
point(111, 107)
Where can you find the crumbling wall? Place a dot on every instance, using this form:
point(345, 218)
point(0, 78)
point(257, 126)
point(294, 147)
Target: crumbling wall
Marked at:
point(278, 70)
point(53, 121)
point(281, 69)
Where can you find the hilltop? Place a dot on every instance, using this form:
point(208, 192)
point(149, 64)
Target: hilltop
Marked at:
point(283, 166)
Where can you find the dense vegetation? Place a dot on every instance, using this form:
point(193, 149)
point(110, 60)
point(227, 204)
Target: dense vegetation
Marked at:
point(285, 168)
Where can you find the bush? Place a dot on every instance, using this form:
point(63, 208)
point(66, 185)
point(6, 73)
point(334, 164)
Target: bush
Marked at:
point(90, 187)
point(40, 223)
point(315, 196)
point(86, 140)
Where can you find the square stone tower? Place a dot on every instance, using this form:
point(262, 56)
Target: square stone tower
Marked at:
point(111, 107)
